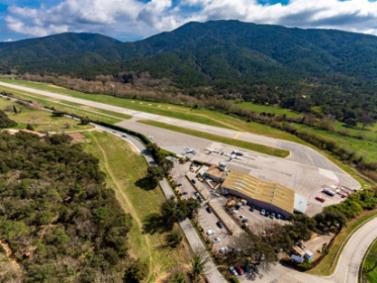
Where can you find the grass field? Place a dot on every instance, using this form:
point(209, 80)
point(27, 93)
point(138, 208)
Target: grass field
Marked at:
point(271, 109)
point(369, 269)
point(200, 115)
point(123, 168)
point(95, 114)
point(40, 120)
point(239, 143)
point(364, 148)
point(329, 262)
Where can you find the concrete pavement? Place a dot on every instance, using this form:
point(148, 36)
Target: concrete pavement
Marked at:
point(353, 252)
point(197, 246)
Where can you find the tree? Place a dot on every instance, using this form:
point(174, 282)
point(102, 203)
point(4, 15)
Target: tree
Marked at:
point(5, 122)
point(29, 127)
point(197, 267)
point(155, 173)
point(175, 211)
point(174, 238)
point(135, 272)
point(84, 121)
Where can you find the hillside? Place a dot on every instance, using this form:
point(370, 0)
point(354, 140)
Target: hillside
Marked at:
point(292, 67)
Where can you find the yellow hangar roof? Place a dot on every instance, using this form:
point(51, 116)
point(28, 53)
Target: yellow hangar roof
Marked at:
point(264, 191)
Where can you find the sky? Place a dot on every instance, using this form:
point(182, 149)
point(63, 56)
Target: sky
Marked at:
point(129, 20)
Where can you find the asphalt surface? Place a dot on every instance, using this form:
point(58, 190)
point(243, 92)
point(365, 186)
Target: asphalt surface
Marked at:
point(299, 153)
point(351, 257)
point(304, 170)
point(348, 266)
point(347, 269)
point(197, 246)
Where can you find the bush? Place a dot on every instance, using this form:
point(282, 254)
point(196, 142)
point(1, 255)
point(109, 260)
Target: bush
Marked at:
point(135, 272)
point(5, 122)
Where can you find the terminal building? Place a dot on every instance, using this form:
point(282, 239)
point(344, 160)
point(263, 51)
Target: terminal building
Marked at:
point(264, 195)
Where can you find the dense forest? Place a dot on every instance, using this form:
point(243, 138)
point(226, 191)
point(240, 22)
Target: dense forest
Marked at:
point(57, 216)
point(295, 68)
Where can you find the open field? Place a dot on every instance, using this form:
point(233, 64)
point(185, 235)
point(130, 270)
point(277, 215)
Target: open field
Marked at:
point(123, 168)
point(40, 120)
point(202, 116)
point(369, 271)
point(229, 121)
point(365, 148)
point(95, 114)
point(362, 147)
point(239, 143)
point(270, 109)
point(329, 262)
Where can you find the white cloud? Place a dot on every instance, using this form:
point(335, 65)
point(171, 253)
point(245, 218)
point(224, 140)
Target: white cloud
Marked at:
point(135, 17)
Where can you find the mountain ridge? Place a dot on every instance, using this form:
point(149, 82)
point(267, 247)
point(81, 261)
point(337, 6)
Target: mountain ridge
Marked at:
point(262, 63)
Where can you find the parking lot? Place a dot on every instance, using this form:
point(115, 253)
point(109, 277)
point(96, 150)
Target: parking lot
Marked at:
point(256, 222)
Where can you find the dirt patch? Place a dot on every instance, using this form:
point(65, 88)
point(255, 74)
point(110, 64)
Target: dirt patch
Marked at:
point(10, 265)
point(77, 137)
point(317, 243)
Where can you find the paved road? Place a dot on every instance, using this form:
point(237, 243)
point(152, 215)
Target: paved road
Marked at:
point(348, 266)
point(211, 272)
point(354, 250)
point(300, 153)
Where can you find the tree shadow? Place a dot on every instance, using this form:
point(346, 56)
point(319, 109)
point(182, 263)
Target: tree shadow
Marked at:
point(146, 183)
point(155, 223)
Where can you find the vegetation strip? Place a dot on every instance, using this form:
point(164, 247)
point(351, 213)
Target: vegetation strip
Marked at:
point(110, 116)
point(329, 262)
point(239, 143)
point(368, 270)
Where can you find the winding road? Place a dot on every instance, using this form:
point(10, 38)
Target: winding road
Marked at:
point(348, 266)
point(352, 254)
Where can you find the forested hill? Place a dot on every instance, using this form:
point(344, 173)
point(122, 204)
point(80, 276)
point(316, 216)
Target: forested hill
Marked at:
point(293, 67)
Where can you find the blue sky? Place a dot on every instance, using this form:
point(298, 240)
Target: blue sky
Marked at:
point(135, 19)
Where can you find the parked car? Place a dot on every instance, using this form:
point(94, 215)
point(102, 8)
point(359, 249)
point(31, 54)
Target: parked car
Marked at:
point(209, 209)
point(239, 270)
point(216, 240)
point(320, 199)
point(263, 212)
point(220, 224)
point(233, 271)
point(210, 232)
point(224, 249)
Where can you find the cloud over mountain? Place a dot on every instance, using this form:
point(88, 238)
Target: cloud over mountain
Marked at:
point(133, 18)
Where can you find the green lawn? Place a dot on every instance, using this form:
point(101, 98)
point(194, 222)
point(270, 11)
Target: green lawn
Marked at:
point(239, 143)
point(74, 108)
point(272, 109)
point(123, 168)
point(329, 262)
point(365, 148)
point(369, 271)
